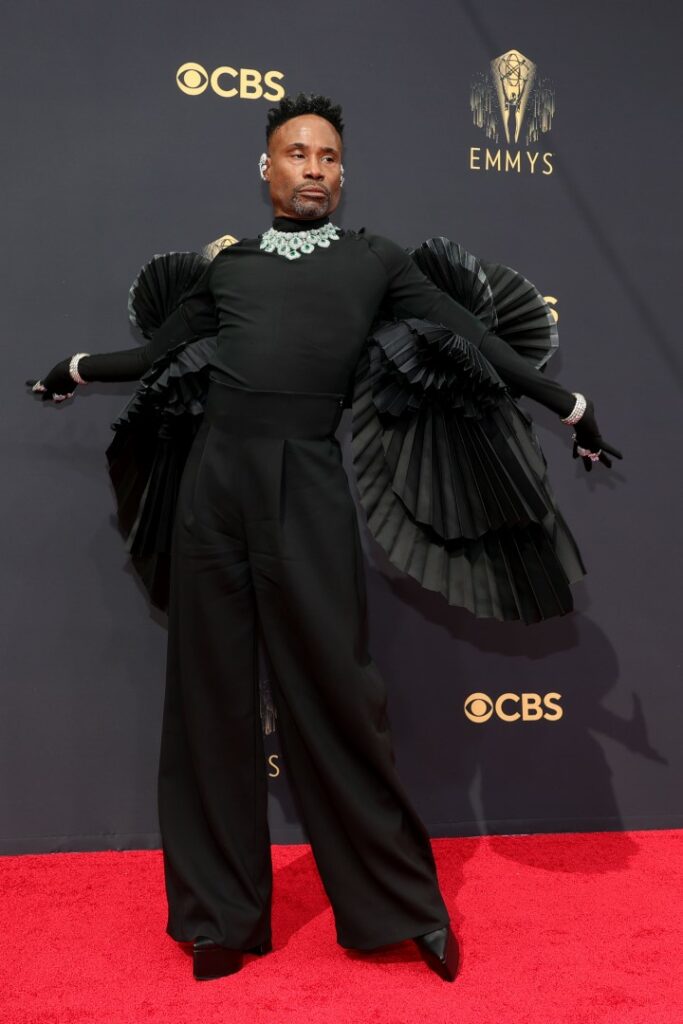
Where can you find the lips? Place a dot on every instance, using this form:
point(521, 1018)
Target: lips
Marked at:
point(312, 192)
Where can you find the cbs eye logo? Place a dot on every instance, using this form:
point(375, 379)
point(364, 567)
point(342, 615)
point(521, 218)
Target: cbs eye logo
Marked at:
point(511, 707)
point(247, 83)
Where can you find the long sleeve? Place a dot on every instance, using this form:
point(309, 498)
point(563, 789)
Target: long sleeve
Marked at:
point(410, 293)
point(194, 317)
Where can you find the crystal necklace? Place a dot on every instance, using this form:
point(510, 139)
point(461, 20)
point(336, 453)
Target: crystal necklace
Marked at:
point(293, 243)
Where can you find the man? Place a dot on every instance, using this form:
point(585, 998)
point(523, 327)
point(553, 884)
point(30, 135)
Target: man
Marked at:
point(265, 532)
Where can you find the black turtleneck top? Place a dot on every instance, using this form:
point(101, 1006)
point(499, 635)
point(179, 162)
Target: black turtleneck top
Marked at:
point(301, 324)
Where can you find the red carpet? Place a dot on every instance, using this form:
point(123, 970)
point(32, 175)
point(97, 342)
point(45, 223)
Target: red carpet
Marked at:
point(583, 928)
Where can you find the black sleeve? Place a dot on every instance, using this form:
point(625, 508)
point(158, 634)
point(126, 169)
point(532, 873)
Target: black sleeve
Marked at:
point(525, 378)
point(194, 317)
point(411, 294)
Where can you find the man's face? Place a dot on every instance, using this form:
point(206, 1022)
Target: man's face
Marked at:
point(304, 168)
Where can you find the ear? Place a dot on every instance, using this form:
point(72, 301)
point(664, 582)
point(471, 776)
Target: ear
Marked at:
point(264, 164)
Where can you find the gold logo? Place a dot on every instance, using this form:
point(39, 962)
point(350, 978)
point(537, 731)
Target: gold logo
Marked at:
point(478, 707)
point(514, 707)
point(192, 78)
point(513, 106)
point(229, 82)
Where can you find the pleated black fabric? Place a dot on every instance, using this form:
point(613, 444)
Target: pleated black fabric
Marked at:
point(502, 298)
point(146, 458)
point(460, 501)
point(156, 290)
point(450, 475)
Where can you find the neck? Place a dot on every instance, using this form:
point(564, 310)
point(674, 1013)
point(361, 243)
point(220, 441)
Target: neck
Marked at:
point(283, 222)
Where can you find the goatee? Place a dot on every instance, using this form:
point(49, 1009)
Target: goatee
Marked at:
point(306, 206)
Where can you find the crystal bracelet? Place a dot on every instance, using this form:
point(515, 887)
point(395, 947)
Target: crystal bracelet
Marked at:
point(578, 410)
point(73, 368)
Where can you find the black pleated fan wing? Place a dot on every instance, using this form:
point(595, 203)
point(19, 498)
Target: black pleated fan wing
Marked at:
point(160, 285)
point(510, 305)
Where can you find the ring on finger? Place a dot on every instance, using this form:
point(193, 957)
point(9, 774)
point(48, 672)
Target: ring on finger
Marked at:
point(586, 453)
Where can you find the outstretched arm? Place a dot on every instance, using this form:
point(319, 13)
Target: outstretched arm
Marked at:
point(194, 317)
point(410, 293)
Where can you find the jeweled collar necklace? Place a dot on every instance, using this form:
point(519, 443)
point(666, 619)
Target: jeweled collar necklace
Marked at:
point(287, 237)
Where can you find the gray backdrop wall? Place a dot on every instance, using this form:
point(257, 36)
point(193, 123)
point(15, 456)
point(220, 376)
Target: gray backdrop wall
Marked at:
point(108, 161)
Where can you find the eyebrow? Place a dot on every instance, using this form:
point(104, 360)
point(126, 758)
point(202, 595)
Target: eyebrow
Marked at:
point(302, 145)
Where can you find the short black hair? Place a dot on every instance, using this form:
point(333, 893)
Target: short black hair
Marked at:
point(304, 103)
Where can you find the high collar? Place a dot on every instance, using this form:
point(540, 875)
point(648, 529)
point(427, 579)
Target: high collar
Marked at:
point(291, 224)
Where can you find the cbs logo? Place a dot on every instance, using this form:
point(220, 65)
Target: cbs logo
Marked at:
point(247, 83)
point(511, 707)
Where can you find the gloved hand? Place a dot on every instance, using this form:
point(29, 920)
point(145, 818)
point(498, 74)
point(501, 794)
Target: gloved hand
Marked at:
point(58, 385)
point(588, 442)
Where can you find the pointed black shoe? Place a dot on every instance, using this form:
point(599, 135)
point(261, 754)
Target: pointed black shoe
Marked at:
point(440, 951)
point(211, 960)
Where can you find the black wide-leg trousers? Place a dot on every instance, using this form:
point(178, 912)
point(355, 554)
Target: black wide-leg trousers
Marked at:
point(266, 533)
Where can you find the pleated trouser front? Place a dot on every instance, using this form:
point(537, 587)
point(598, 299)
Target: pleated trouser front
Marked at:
point(266, 532)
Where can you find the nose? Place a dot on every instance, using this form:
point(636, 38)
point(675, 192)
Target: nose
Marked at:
point(314, 170)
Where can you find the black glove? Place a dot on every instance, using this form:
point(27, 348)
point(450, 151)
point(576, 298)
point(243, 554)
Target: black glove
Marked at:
point(587, 436)
point(58, 385)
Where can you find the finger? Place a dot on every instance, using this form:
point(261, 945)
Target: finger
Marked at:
point(607, 462)
point(587, 464)
point(613, 451)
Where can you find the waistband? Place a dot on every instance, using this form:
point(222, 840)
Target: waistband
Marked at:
point(255, 413)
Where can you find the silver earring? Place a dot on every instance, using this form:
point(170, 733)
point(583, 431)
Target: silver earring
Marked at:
point(341, 180)
point(262, 165)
